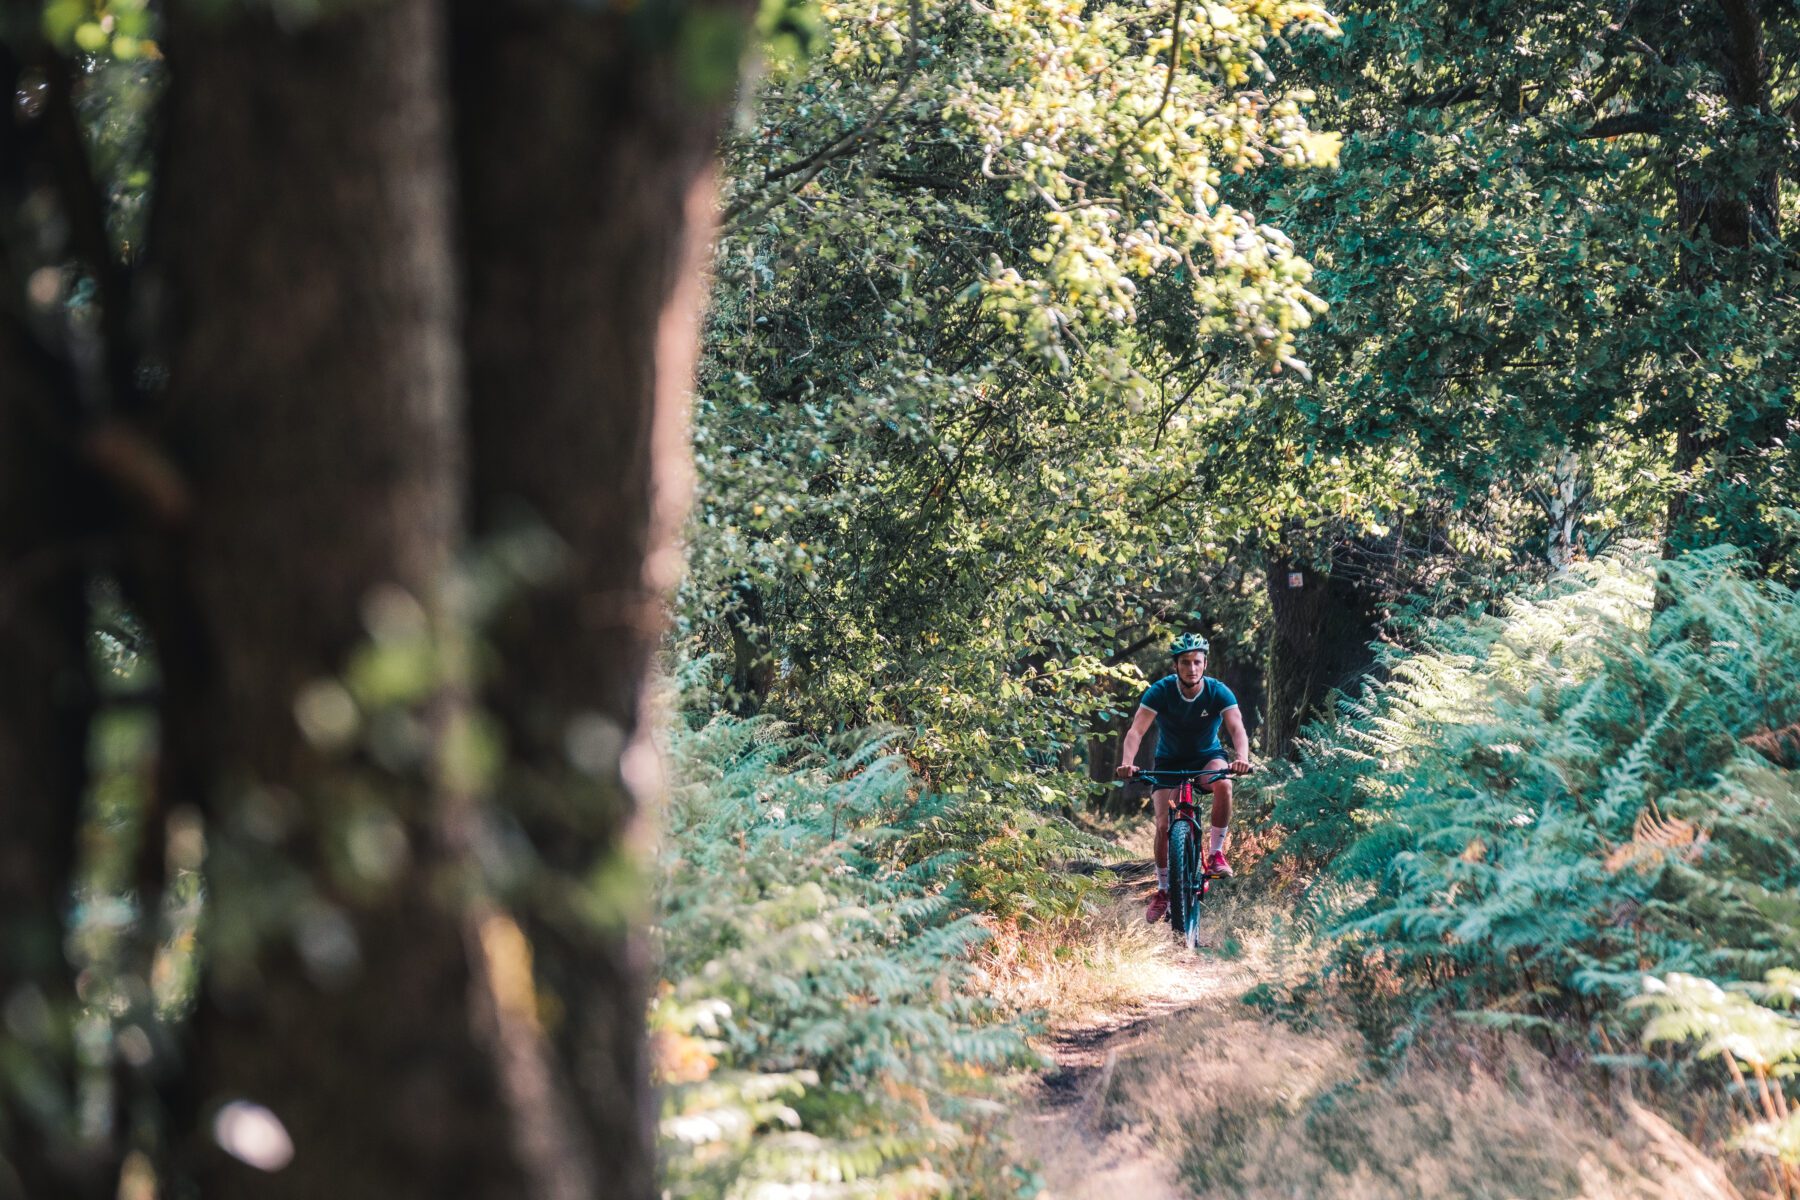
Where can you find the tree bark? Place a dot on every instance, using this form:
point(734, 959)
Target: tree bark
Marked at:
point(595, 228)
point(1562, 508)
point(752, 659)
point(1718, 211)
point(46, 701)
point(394, 1021)
point(313, 403)
point(45, 704)
point(1319, 640)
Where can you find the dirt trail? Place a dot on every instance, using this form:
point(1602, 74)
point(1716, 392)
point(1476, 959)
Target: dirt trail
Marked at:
point(1085, 1143)
point(1197, 1093)
point(1082, 1151)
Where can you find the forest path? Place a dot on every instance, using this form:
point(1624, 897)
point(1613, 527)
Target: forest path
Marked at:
point(1085, 1141)
point(1196, 1093)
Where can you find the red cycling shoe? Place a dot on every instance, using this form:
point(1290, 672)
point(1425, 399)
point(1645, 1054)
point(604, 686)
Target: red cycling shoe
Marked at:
point(1159, 908)
point(1216, 864)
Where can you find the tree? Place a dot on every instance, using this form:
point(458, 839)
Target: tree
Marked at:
point(1516, 289)
point(399, 301)
point(1558, 232)
point(45, 698)
point(990, 305)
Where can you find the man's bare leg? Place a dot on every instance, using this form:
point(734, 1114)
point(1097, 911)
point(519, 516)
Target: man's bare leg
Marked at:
point(1221, 814)
point(1163, 798)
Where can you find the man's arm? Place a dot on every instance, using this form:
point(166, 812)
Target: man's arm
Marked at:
point(1140, 724)
point(1240, 740)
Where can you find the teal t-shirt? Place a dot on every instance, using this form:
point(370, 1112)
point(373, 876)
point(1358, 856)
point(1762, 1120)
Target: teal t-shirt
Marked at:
point(1187, 731)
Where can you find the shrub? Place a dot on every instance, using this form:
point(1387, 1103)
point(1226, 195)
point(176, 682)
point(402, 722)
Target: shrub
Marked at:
point(815, 1028)
point(1545, 805)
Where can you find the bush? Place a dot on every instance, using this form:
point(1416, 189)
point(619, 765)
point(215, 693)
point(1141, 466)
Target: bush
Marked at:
point(815, 1027)
point(1546, 805)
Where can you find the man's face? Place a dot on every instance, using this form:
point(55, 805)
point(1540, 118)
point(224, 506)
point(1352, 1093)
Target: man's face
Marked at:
point(1190, 668)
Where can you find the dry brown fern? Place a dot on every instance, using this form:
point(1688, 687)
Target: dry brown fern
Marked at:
point(1653, 837)
point(1779, 746)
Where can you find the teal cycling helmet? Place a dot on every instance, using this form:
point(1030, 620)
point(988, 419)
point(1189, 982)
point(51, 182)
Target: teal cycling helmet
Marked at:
point(1187, 642)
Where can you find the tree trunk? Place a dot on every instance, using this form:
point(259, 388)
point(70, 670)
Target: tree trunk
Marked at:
point(752, 660)
point(594, 228)
point(1563, 510)
point(313, 403)
point(1319, 640)
point(1721, 207)
point(45, 702)
point(384, 1011)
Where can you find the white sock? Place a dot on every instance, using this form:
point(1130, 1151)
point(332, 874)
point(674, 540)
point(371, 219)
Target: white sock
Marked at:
point(1162, 879)
point(1218, 839)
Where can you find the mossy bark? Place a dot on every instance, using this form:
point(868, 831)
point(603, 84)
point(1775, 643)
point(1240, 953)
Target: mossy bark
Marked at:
point(595, 228)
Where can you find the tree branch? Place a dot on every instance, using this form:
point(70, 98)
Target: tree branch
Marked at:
point(1124, 652)
point(1624, 123)
point(1460, 93)
point(1174, 60)
point(735, 218)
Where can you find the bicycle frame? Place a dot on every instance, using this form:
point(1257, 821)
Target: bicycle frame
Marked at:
point(1189, 881)
point(1183, 808)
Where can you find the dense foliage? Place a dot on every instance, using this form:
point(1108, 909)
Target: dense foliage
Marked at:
point(817, 1025)
point(989, 301)
point(1042, 329)
point(1558, 230)
point(1551, 806)
point(1557, 800)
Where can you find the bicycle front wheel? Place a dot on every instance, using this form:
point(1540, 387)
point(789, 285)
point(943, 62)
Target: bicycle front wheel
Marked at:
point(1187, 882)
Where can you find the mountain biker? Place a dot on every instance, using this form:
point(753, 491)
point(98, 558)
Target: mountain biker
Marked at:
point(1187, 709)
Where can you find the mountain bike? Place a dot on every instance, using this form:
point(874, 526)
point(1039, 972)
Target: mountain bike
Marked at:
point(1188, 879)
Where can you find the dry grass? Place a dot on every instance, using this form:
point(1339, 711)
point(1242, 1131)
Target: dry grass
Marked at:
point(1250, 1108)
point(1085, 969)
point(1082, 971)
point(1111, 961)
point(1248, 1115)
point(1186, 1090)
point(1171, 1085)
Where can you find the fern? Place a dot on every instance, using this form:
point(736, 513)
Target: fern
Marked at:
point(1746, 1025)
point(815, 1033)
point(1546, 804)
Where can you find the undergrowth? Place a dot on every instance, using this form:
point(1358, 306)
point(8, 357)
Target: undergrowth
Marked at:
point(1539, 811)
point(816, 1034)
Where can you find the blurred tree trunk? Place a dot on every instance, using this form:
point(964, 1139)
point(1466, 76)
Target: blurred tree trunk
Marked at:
point(323, 319)
point(45, 703)
point(314, 406)
point(45, 697)
point(583, 244)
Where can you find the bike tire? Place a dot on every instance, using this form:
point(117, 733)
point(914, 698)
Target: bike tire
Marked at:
point(1187, 882)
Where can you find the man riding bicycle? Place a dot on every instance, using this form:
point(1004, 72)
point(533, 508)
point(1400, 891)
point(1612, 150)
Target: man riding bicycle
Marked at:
point(1187, 709)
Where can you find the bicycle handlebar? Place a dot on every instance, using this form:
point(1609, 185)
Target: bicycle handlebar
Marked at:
point(1174, 778)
